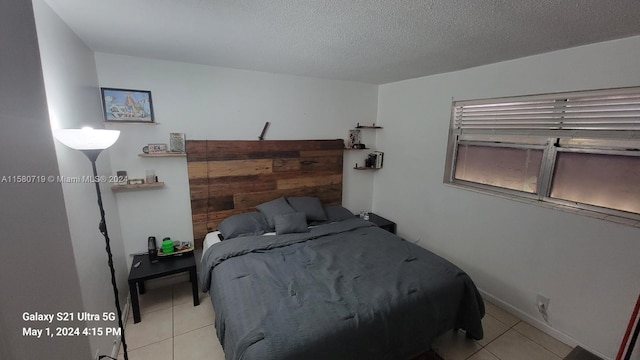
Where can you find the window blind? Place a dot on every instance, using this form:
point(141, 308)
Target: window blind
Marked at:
point(614, 112)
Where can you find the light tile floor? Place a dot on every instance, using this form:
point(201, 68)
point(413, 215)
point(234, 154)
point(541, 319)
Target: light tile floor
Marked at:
point(505, 338)
point(173, 329)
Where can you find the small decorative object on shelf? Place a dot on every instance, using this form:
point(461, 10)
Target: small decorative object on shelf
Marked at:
point(176, 142)
point(157, 148)
point(150, 176)
point(135, 181)
point(122, 177)
point(379, 159)
point(354, 138)
point(374, 160)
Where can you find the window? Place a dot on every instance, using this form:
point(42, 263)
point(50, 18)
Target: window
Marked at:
point(580, 149)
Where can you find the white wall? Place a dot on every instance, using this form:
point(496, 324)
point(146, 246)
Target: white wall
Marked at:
point(208, 103)
point(73, 96)
point(588, 267)
point(37, 266)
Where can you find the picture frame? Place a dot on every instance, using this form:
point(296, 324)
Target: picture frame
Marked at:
point(127, 105)
point(177, 142)
point(122, 177)
point(353, 138)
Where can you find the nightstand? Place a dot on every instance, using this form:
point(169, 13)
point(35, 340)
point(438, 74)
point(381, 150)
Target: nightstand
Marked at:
point(163, 267)
point(382, 223)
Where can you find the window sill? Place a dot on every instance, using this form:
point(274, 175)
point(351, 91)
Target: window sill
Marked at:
point(623, 220)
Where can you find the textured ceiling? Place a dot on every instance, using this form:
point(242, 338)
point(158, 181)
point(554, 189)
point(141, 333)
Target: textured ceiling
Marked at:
point(372, 41)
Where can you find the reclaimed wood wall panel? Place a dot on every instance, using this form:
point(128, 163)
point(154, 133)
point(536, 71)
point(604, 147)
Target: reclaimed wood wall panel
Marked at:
point(231, 177)
point(234, 168)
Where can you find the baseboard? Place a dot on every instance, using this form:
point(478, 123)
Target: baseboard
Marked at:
point(540, 325)
point(118, 341)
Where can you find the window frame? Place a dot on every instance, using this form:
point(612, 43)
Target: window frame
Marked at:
point(605, 141)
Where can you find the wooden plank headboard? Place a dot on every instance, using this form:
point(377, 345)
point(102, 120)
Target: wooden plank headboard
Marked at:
point(232, 177)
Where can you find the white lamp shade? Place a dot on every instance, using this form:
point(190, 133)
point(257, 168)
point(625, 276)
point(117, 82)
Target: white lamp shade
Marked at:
point(87, 138)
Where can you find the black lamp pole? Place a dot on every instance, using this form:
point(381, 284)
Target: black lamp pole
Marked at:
point(93, 155)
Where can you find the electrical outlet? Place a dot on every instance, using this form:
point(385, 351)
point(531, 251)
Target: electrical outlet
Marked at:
point(542, 303)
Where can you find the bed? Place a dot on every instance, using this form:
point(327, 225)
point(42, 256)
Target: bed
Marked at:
point(343, 290)
point(289, 283)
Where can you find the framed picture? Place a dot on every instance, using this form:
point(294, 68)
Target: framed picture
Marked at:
point(177, 142)
point(123, 105)
point(354, 138)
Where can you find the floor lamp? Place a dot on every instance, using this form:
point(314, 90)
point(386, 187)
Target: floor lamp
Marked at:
point(91, 142)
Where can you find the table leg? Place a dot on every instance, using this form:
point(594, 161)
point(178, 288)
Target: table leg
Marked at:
point(141, 287)
point(135, 305)
point(193, 277)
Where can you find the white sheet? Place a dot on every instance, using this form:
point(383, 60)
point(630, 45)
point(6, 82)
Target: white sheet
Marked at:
point(209, 240)
point(212, 238)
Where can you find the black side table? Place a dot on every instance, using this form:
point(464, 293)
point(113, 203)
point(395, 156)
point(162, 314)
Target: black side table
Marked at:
point(163, 267)
point(382, 223)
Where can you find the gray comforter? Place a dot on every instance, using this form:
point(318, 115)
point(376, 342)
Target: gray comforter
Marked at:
point(346, 290)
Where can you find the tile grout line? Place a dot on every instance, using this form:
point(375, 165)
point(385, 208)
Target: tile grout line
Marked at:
point(192, 330)
point(142, 347)
point(156, 310)
point(535, 342)
point(516, 330)
point(497, 337)
point(152, 311)
point(525, 335)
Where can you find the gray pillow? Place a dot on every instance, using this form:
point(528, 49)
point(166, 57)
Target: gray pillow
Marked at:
point(311, 206)
point(247, 224)
point(338, 213)
point(291, 223)
point(270, 209)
